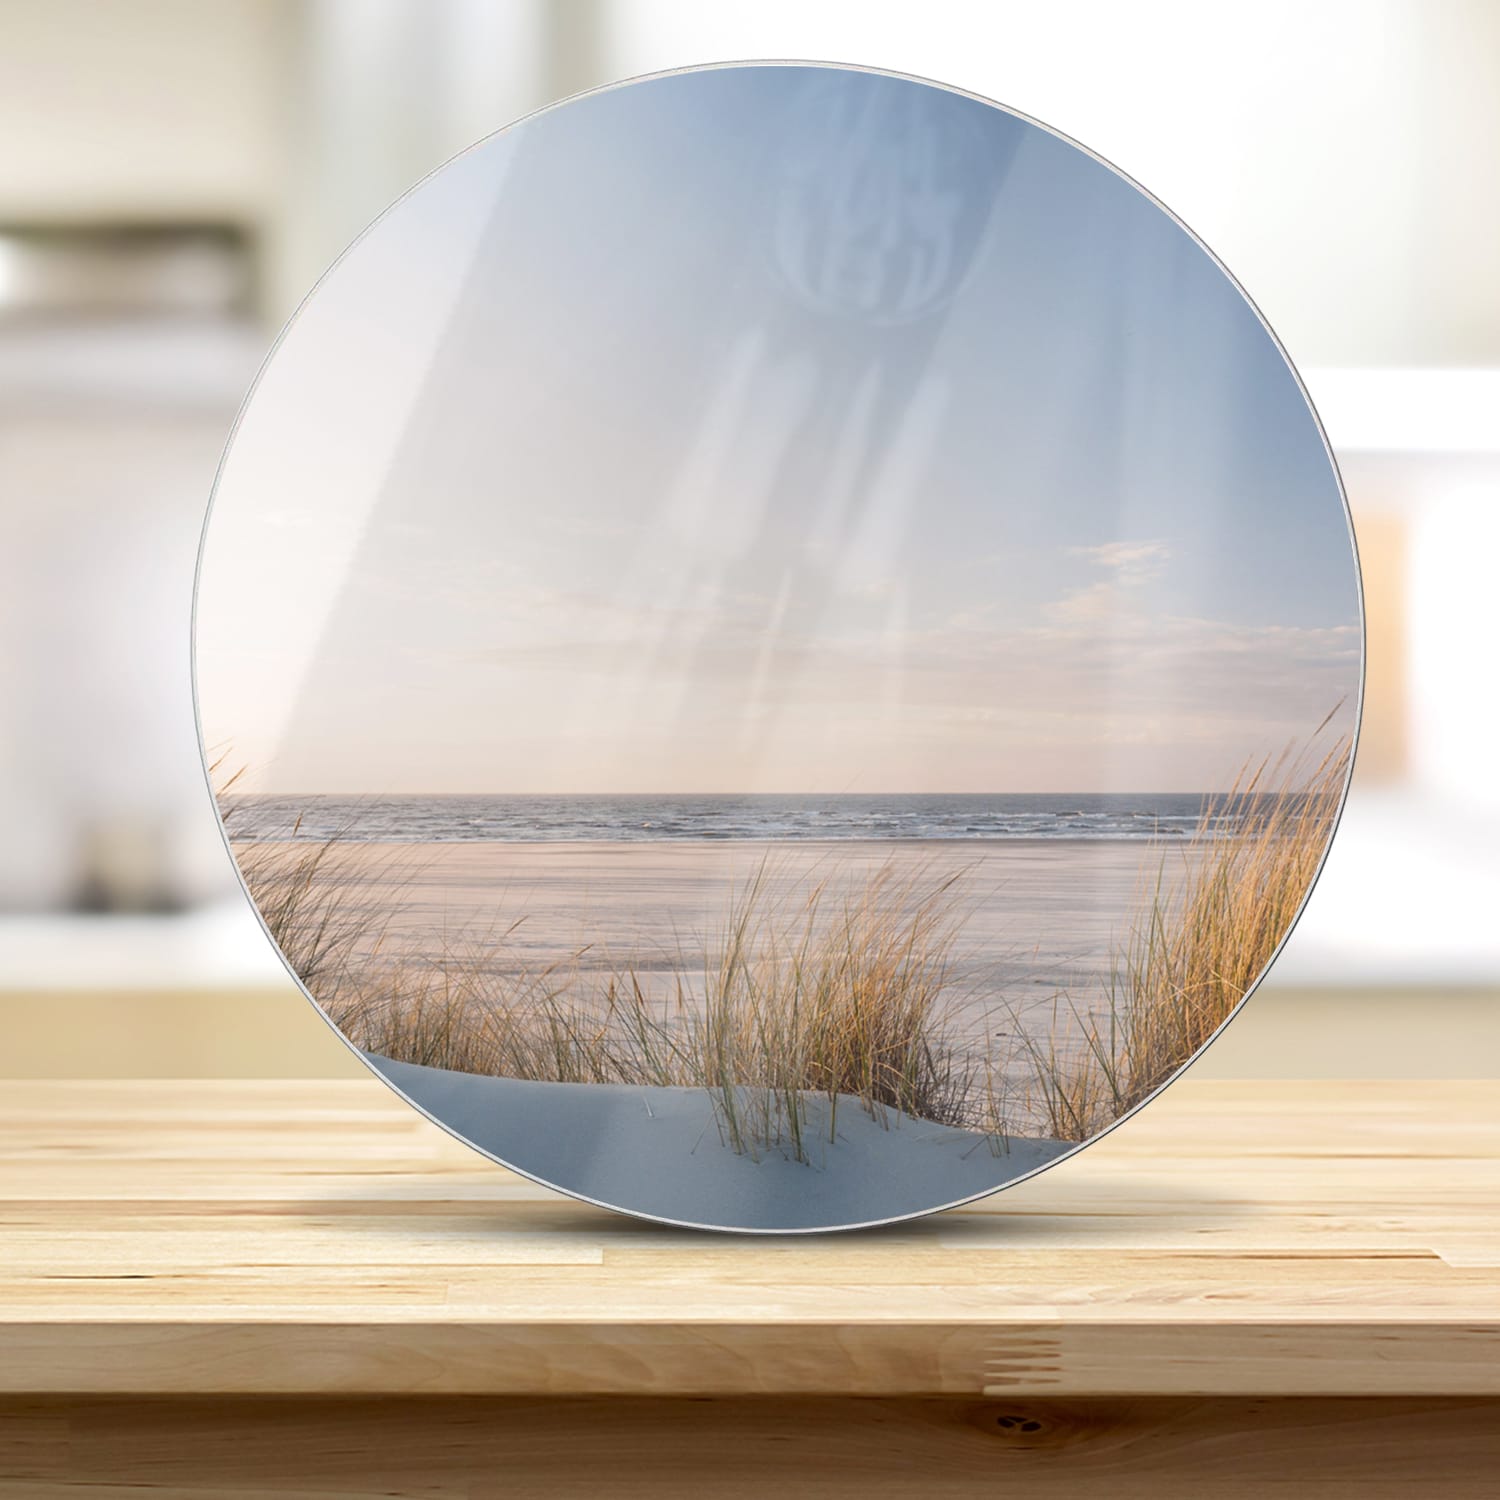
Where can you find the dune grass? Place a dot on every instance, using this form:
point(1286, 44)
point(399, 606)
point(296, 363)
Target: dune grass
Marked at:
point(321, 932)
point(848, 998)
point(803, 994)
point(811, 992)
point(1201, 940)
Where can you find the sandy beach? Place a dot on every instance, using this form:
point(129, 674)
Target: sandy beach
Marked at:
point(1040, 918)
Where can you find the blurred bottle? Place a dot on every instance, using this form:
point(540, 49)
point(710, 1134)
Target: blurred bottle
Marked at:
point(123, 357)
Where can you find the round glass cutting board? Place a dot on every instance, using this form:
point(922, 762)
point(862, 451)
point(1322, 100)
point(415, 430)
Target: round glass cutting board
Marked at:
point(778, 646)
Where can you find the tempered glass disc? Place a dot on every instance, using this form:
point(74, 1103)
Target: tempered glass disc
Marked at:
point(778, 647)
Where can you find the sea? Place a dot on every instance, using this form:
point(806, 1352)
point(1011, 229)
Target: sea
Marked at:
point(644, 818)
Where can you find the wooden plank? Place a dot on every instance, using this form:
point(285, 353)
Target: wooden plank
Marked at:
point(643, 1449)
point(268, 1237)
point(917, 1358)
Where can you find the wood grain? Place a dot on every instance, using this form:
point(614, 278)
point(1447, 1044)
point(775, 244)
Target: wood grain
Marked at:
point(654, 1449)
point(319, 1238)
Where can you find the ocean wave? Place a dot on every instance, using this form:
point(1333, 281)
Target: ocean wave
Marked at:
point(538, 819)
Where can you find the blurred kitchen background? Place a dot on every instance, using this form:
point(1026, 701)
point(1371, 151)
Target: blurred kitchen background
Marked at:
point(175, 174)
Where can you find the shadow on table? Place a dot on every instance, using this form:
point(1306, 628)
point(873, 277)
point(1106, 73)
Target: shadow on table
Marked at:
point(1122, 1209)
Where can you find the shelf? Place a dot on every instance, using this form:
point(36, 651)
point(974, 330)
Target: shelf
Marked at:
point(216, 947)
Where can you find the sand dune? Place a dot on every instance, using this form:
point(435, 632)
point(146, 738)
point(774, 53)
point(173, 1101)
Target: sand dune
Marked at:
point(657, 1151)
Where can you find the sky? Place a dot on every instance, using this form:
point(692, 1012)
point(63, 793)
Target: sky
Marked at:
point(773, 429)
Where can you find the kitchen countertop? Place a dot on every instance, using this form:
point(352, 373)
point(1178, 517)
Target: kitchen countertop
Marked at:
point(319, 1236)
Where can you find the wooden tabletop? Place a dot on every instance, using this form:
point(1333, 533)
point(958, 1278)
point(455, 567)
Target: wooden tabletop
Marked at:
point(291, 1237)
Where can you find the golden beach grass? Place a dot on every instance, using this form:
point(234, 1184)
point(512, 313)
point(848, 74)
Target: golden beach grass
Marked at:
point(1199, 944)
point(852, 1002)
point(803, 995)
point(814, 994)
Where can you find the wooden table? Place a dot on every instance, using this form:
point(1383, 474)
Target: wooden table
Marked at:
point(304, 1289)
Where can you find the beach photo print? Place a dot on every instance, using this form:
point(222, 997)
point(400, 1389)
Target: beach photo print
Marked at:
point(777, 647)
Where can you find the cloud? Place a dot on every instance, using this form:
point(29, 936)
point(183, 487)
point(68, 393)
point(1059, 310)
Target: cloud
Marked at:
point(1129, 562)
point(694, 676)
point(1129, 671)
point(1127, 566)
